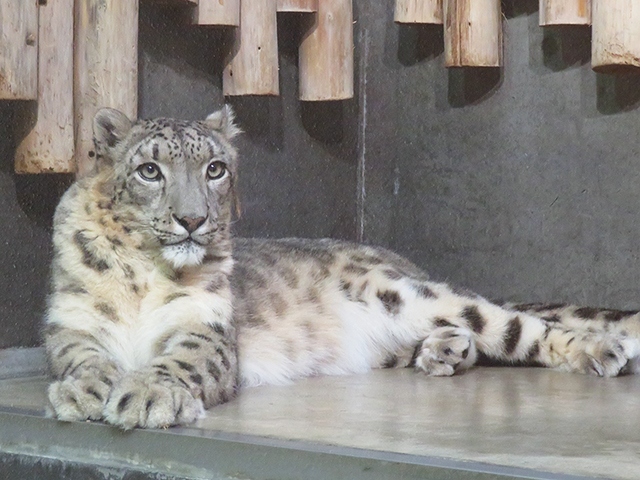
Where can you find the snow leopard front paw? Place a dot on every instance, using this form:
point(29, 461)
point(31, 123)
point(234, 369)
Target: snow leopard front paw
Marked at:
point(144, 400)
point(76, 399)
point(445, 351)
point(603, 355)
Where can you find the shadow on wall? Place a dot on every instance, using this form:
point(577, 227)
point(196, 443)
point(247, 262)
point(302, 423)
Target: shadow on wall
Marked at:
point(262, 119)
point(516, 8)
point(37, 195)
point(565, 47)
point(468, 86)
point(419, 42)
point(617, 93)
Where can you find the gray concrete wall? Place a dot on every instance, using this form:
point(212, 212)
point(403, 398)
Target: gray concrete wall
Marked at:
point(520, 183)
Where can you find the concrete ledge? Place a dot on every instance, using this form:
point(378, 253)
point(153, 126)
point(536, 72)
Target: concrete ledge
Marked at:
point(22, 362)
point(39, 444)
point(490, 423)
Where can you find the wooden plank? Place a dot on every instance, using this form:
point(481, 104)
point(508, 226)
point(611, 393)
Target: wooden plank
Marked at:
point(299, 6)
point(325, 57)
point(106, 67)
point(473, 33)
point(18, 49)
point(218, 12)
point(252, 66)
point(49, 146)
point(418, 11)
point(565, 12)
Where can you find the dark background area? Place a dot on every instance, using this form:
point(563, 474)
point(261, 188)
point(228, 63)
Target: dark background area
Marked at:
point(520, 183)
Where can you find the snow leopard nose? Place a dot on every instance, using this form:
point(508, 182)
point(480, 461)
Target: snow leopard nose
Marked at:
point(189, 223)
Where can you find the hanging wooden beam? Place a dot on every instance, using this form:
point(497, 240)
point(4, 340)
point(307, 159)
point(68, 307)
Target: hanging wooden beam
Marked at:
point(472, 33)
point(106, 67)
point(325, 57)
point(218, 12)
point(252, 66)
point(615, 45)
point(565, 12)
point(299, 6)
point(418, 11)
point(49, 146)
point(18, 50)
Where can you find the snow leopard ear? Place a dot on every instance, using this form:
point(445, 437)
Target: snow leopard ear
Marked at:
point(223, 121)
point(110, 127)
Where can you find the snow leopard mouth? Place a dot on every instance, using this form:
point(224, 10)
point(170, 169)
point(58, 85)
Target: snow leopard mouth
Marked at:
point(186, 242)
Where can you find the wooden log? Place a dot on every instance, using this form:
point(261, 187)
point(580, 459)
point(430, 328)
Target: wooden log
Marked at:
point(615, 45)
point(252, 65)
point(218, 12)
point(300, 6)
point(418, 11)
point(472, 33)
point(565, 12)
point(18, 50)
point(325, 57)
point(49, 146)
point(106, 67)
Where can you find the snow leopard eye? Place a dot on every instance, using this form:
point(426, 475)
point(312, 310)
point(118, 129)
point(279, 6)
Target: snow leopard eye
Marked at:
point(149, 171)
point(216, 170)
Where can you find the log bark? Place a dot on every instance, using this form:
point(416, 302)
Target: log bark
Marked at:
point(252, 65)
point(301, 6)
point(49, 145)
point(472, 33)
point(418, 11)
point(106, 67)
point(565, 12)
point(615, 46)
point(18, 50)
point(218, 12)
point(325, 57)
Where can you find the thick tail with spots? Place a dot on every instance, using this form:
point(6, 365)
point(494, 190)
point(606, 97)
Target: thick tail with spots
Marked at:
point(466, 328)
point(621, 322)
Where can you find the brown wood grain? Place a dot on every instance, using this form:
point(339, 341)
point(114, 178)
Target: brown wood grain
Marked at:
point(49, 144)
point(418, 11)
point(326, 53)
point(218, 12)
point(565, 12)
point(615, 46)
point(252, 65)
point(18, 49)
point(472, 33)
point(106, 67)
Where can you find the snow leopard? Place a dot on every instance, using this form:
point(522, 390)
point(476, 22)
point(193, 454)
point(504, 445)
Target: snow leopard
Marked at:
point(157, 312)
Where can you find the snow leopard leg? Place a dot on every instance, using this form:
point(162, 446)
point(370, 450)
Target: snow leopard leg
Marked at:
point(84, 374)
point(197, 369)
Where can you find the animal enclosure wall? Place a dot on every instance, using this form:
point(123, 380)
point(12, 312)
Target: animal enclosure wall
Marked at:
point(519, 182)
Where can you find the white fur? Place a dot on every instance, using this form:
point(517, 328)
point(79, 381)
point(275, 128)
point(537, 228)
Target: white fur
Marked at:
point(184, 254)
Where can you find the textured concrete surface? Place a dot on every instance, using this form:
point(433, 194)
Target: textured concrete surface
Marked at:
point(534, 419)
point(520, 183)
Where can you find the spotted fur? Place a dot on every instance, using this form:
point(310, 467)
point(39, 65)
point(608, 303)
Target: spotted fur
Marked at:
point(157, 314)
